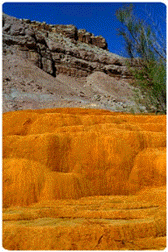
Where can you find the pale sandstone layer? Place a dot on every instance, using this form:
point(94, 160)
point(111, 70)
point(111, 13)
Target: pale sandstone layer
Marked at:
point(83, 179)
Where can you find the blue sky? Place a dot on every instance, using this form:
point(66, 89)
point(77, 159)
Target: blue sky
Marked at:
point(98, 18)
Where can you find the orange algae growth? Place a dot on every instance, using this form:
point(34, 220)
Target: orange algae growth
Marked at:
point(67, 154)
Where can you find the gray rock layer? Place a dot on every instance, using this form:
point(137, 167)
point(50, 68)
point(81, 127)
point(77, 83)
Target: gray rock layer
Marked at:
point(61, 48)
point(46, 66)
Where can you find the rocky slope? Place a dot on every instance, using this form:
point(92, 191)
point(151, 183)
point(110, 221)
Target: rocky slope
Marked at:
point(83, 179)
point(59, 65)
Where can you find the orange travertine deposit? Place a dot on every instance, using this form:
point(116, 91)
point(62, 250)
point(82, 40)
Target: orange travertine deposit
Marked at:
point(91, 152)
point(83, 179)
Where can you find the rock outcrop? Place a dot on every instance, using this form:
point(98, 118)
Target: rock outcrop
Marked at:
point(87, 75)
point(60, 48)
point(83, 179)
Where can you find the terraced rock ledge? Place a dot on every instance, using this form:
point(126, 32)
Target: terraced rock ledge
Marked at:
point(83, 179)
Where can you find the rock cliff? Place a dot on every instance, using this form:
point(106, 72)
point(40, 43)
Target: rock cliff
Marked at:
point(59, 66)
point(60, 48)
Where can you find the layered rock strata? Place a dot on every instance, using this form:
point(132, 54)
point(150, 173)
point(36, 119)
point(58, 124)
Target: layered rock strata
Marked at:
point(60, 48)
point(35, 53)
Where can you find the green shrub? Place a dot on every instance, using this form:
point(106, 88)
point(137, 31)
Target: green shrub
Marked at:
point(148, 55)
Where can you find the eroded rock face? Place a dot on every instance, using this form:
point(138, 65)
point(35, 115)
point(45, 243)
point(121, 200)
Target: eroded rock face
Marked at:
point(86, 75)
point(89, 38)
point(61, 48)
point(77, 179)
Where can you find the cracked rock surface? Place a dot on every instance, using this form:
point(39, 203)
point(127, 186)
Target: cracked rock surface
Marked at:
point(48, 66)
